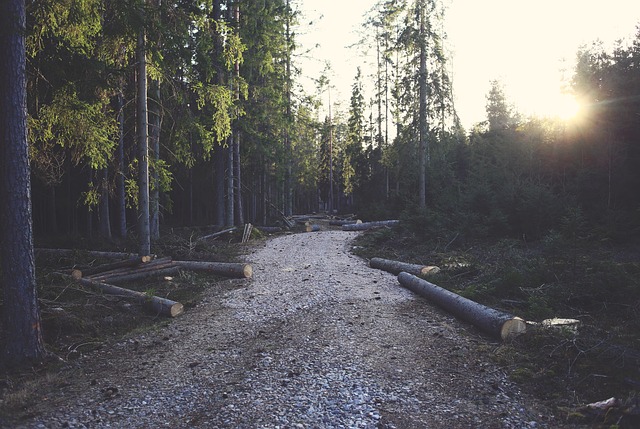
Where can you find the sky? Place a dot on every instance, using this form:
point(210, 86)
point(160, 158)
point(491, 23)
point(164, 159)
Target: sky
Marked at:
point(528, 45)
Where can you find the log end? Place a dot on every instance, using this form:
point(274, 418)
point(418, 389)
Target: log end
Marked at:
point(429, 270)
point(147, 258)
point(248, 271)
point(76, 274)
point(176, 310)
point(512, 328)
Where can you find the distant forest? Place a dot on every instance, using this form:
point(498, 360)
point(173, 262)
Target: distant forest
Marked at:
point(190, 113)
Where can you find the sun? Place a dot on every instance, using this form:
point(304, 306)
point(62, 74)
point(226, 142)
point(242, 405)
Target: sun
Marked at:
point(566, 107)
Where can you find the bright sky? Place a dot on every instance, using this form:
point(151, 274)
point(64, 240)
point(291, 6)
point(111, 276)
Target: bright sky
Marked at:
point(523, 43)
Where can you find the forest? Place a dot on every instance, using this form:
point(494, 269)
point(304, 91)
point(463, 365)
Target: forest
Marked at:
point(148, 115)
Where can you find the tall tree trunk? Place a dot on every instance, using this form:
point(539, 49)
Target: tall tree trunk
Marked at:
point(22, 342)
point(422, 150)
point(104, 214)
point(144, 232)
point(288, 188)
point(120, 190)
point(230, 197)
point(154, 137)
point(236, 144)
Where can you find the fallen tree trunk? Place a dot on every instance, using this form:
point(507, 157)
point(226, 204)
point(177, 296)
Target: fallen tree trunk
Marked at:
point(269, 229)
point(227, 269)
point(312, 228)
point(127, 263)
point(396, 267)
point(218, 234)
point(90, 253)
point(162, 306)
point(369, 225)
point(493, 322)
point(149, 266)
point(168, 270)
point(343, 222)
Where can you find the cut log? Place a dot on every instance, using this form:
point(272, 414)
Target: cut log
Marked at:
point(169, 270)
point(312, 228)
point(218, 234)
point(369, 225)
point(343, 222)
point(149, 266)
point(90, 253)
point(269, 229)
point(396, 267)
point(162, 306)
point(493, 322)
point(227, 269)
point(126, 263)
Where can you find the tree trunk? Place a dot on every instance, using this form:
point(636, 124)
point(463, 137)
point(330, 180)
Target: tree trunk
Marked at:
point(144, 231)
point(396, 267)
point(227, 269)
point(104, 215)
point(493, 322)
point(230, 198)
point(90, 253)
point(134, 275)
point(120, 190)
point(154, 137)
point(162, 306)
point(238, 180)
point(156, 264)
point(422, 149)
point(288, 188)
point(22, 342)
point(369, 225)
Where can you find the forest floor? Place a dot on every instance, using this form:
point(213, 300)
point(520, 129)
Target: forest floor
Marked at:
point(315, 339)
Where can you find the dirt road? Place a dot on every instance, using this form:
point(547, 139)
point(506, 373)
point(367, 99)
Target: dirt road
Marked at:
point(316, 340)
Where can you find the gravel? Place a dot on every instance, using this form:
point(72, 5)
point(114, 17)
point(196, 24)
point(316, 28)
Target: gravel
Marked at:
point(315, 340)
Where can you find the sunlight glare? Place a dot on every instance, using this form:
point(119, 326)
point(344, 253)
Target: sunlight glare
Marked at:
point(567, 107)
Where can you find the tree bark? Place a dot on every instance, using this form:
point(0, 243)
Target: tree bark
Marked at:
point(104, 214)
point(155, 125)
point(22, 342)
point(423, 127)
point(396, 267)
point(149, 266)
point(90, 253)
point(162, 306)
point(144, 230)
point(168, 269)
point(493, 322)
point(120, 190)
point(227, 269)
point(369, 225)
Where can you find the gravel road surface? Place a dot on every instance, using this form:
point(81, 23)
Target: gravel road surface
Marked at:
point(316, 339)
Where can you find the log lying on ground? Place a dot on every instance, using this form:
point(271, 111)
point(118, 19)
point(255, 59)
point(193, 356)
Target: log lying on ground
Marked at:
point(218, 234)
point(369, 225)
point(493, 322)
point(269, 229)
point(149, 266)
point(162, 306)
point(90, 253)
point(343, 222)
point(126, 263)
point(312, 228)
point(396, 267)
point(228, 269)
point(168, 270)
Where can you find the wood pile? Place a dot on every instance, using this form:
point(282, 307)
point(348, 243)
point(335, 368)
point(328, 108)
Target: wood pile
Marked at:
point(103, 277)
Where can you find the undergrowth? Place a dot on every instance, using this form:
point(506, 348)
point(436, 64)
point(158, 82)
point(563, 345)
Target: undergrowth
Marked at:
point(561, 275)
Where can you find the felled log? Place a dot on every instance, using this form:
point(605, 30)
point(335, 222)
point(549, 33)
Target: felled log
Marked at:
point(218, 234)
point(90, 253)
point(149, 266)
point(312, 228)
point(168, 270)
point(126, 263)
point(396, 267)
point(227, 269)
point(493, 322)
point(342, 222)
point(162, 306)
point(269, 229)
point(369, 225)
